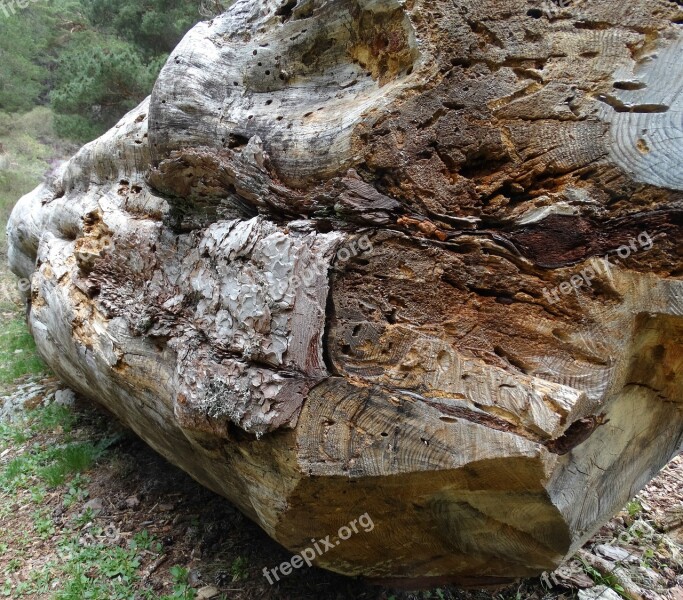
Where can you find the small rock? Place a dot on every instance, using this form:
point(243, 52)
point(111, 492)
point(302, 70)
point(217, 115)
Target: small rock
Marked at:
point(653, 577)
point(25, 398)
point(132, 502)
point(96, 505)
point(194, 578)
point(600, 592)
point(642, 529)
point(208, 592)
point(613, 553)
point(570, 575)
point(112, 532)
point(65, 398)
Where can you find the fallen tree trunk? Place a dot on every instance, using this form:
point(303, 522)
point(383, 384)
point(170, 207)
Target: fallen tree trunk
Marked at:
point(417, 260)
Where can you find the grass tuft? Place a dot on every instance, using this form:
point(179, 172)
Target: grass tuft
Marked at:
point(18, 354)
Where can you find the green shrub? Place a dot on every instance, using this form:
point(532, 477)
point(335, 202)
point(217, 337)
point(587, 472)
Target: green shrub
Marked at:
point(98, 79)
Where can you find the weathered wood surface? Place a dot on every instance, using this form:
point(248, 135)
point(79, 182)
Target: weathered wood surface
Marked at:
point(369, 256)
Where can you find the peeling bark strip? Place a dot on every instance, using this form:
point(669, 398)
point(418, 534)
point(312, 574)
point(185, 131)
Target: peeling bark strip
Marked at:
point(313, 271)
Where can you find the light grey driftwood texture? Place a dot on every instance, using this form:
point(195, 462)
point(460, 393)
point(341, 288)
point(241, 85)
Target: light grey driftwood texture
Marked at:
point(416, 259)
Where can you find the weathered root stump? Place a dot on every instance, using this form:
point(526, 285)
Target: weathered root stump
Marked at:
point(420, 260)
